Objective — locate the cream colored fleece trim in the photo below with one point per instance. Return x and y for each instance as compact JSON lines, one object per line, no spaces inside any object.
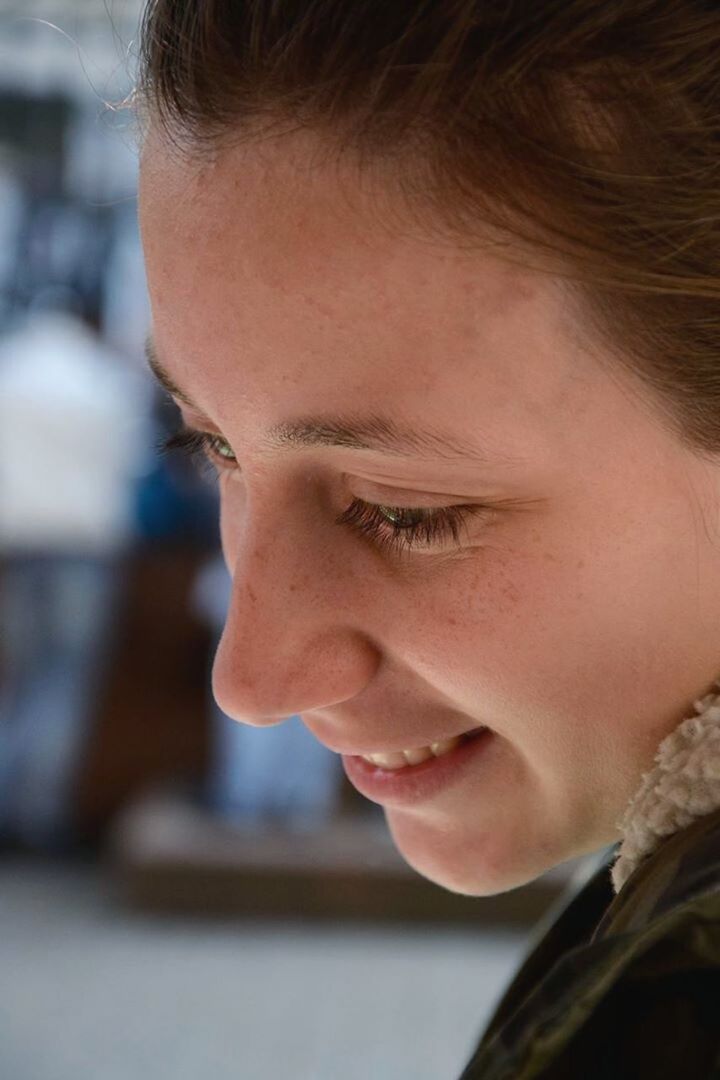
{"x":683,"y":786}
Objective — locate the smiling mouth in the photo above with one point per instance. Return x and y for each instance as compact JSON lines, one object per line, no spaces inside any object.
{"x":401,"y":759}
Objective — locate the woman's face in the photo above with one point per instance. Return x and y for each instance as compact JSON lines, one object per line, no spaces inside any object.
{"x":342,"y":365}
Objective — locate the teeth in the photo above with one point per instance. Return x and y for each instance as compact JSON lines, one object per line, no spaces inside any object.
{"x":415,"y":757}
{"x":400,"y":759}
{"x":395,"y":760}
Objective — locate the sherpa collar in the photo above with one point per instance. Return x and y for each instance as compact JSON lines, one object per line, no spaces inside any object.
{"x":683,"y":785}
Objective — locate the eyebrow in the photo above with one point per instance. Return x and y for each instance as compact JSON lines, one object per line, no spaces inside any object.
{"x":376,"y":433}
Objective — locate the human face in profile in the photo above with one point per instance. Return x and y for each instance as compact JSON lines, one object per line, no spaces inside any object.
{"x":443,"y":510}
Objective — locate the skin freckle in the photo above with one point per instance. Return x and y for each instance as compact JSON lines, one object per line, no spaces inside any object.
{"x":565,"y":629}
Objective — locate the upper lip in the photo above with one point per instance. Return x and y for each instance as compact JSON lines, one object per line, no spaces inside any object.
{"x":359,"y":751}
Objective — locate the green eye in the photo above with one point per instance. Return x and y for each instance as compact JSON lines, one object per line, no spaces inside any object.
{"x":399,"y":528}
{"x":219,"y":446}
{"x":391,"y":528}
{"x":202,"y":445}
{"x":404,"y":517}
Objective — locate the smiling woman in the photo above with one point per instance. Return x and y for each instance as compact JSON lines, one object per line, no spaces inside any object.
{"x":436,"y":287}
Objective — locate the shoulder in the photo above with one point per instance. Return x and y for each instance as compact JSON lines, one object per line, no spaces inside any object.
{"x":685,"y":869}
{"x":639,"y":995}
{"x":657,"y":986}
{"x":657,"y":1014}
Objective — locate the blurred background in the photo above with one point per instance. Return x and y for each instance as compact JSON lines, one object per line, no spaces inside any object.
{"x":178,"y":892}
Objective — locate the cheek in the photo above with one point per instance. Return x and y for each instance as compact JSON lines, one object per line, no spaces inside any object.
{"x":226,"y":543}
{"x":476,"y":616}
{"x":232,"y":510}
{"x":506,"y":639}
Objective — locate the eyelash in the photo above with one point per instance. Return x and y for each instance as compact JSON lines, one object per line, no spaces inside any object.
{"x":199,"y":445}
{"x":364,"y":518}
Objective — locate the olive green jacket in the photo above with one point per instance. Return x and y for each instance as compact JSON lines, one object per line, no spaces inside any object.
{"x":620,"y":987}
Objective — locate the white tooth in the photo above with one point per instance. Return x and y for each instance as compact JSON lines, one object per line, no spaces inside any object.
{"x":416,"y":757}
{"x":399,"y":759}
{"x":388,"y":761}
{"x":440,"y":748}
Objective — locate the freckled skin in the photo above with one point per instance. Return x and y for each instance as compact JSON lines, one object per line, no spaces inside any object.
{"x":580,"y":623}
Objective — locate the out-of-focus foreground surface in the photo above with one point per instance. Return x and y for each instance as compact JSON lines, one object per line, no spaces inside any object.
{"x":91,"y":991}
{"x":180,"y":895}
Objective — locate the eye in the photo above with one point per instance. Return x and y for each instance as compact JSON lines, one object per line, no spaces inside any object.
{"x":203,"y":444}
{"x":398,"y":528}
{"x":392,"y":528}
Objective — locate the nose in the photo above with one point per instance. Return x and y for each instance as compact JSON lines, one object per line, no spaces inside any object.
{"x":288,"y":645}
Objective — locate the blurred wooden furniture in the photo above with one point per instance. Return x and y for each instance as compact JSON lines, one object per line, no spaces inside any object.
{"x":151,"y":719}
{"x":167,"y":854}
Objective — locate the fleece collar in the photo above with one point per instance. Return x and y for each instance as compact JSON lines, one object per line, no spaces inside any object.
{"x":683,"y":785}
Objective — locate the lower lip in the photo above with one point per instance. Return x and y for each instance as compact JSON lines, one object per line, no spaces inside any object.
{"x":415,"y":783}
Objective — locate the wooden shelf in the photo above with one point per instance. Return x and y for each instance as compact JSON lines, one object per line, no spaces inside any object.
{"x":168,"y":854}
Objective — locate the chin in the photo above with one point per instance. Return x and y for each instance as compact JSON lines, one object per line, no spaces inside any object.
{"x":475,"y":865}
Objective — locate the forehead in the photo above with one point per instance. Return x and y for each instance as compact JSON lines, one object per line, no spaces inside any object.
{"x":301,"y":217}
{"x":294,"y":271}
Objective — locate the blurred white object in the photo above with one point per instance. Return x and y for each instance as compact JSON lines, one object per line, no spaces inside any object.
{"x":126,"y":308}
{"x":74,"y":431}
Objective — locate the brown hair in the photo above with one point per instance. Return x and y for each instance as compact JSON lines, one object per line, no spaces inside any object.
{"x":586,"y":131}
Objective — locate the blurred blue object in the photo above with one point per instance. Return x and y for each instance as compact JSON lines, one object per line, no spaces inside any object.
{"x":73,"y":428}
{"x":280,"y":772}
{"x":173,"y":500}
{"x":56,"y":612}
{"x":258,"y":773}
{"x":165,"y":511}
